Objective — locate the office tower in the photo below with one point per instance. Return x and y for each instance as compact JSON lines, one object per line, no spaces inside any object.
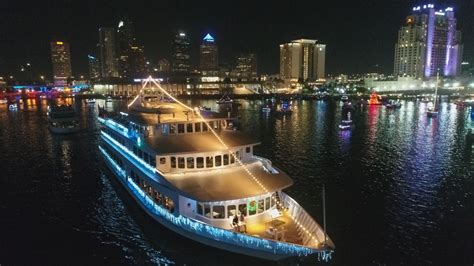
{"x":124,"y":43}
{"x":61,"y":61}
{"x":302,"y":59}
{"x":181,"y":53}
{"x":428,"y":42}
{"x":94,"y":68}
{"x":209,"y":58}
{"x":136,"y":62}
{"x":107,"y":53}
{"x":164,"y":66}
{"x":246,"y":67}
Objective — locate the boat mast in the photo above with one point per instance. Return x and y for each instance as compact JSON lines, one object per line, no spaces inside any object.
{"x":324,"y":215}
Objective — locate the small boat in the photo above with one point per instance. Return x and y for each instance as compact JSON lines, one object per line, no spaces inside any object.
{"x":347,"y":106}
{"x":347,"y":123}
{"x":344,"y":98}
{"x":13,"y":107}
{"x":90,"y":100}
{"x":225,"y":100}
{"x":375,"y":99}
{"x":62,"y":119}
{"x":109,"y":99}
{"x":285,"y":109}
{"x":391,"y":104}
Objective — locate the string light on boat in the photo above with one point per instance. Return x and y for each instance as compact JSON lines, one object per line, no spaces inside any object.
{"x":304,"y":229}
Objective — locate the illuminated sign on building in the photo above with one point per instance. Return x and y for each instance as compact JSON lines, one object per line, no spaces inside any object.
{"x":208,"y":38}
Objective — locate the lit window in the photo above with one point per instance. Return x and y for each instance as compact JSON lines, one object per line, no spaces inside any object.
{"x":190,"y":162}
{"x":209,"y":161}
{"x":226,"y":159}
{"x":189,"y":128}
{"x":163,"y":160}
{"x":218,"y":212}
{"x":173,"y":162}
{"x":231,"y":211}
{"x":180,"y":162}
{"x":197,"y":127}
{"x":180,"y":128}
{"x":218,"y":160}
{"x":200,"y":162}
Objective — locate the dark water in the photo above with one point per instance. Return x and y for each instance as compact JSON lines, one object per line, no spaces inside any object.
{"x":399,"y":189}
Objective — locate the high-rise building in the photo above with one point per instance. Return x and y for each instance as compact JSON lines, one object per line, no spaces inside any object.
{"x":209,"y":56}
{"x":164,"y":66}
{"x":107,"y":53}
{"x":302,"y":59}
{"x":181,"y":53}
{"x":61,"y":61}
{"x":124,"y":43}
{"x":136,"y":61}
{"x":94,"y":68}
{"x":428,"y":42}
{"x":246,"y":67}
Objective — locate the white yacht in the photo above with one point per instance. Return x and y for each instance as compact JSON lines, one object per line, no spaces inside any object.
{"x":62,"y":119}
{"x":195,"y":174}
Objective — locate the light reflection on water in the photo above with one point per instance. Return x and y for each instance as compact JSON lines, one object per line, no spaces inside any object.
{"x":398,"y":186}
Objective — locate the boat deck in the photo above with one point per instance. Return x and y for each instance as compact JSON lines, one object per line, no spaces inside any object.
{"x":285,"y":226}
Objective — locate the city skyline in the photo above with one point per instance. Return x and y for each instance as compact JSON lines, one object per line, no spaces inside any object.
{"x":371,"y":39}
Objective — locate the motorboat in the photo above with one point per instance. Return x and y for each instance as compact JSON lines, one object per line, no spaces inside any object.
{"x":346,"y":124}
{"x":62,"y":119}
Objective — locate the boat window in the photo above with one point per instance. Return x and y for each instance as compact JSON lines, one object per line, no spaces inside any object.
{"x":200,"y":162}
{"x":180,"y":128}
{"x":207,"y":210}
{"x":231,"y":211}
{"x":163,"y":160}
{"x":180,"y":162}
{"x":218,"y":160}
{"x":267,"y":203}
{"x":211,"y":124}
{"x":190,"y":162}
{"x":189,"y":128}
{"x":172,"y":128}
{"x":165,"y":129}
{"x":273,"y":199}
{"x":232,"y":158}
{"x":218,"y":212}
{"x":158,"y":197}
{"x":247,"y":149}
{"x":226,"y":159}
{"x":261,"y":206}
{"x":223,"y":124}
{"x":153,"y":161}
{"x":197,"y":127}
{"x":243,"y":209}
{"x":209,"y":161}
{"x":173,"y":162}
{"x":237,"y":154}
{"x":199,"y":207}
{"x":204,"y":127}
{"x":169,"y":204}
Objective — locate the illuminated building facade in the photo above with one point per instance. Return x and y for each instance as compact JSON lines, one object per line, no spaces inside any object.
{"x":181,"y":53}
{"x":94,"y":67}
{"x":124,"y":42}
{"x":302,"y":59}
{"x":209,"y":56}
{"x":246,"y":68}
{"x":427,"y":42}
{"x":164,"y":66}
{"x":107,"y":53}
{"x":61,"y":61}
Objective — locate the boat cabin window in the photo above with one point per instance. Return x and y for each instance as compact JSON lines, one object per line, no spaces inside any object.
{"x":247,"y":149}
{"x":267,"y":203}
{"x":243,"y":209}
{"x":181,"y":162}
{"x":172,"y":128}
{"x":209,"y":161}
{"x":237,"y":154}
{"x":207,"y":210}
{"x":218,"y":160}
{"x":232,"y":158}
{"x":165,"y":129}
{"x":163,"y":160}
{"x":190,"y":162}
{"x":200,"y":162}
{"x":173,"y":162}
{"x":199,"y":209}
{"x":211,"y":124}
{"x":261,"y":206}
{"x":204,"y":127}
{"x":226,"y":159}
{"x":189,"y":128}
{"x":231,"y":211}
{"x":180,"y":128}
{"x":197,"y":127}
{"x":218,"y":212}
{"x":158,"y":197}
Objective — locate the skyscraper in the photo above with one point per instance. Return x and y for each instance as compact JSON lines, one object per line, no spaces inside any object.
{"x":107,"y":53}
{"x":302,"y":59}
{"x":427,"y":42}
{"x":246,"y":67}
{"x":94,"y":68}
{"x":136,"y":62}
{"x":61,"y":61}
{"x":181,"y":53}
{"x":124,"y":43}
{"x":209,"y":57}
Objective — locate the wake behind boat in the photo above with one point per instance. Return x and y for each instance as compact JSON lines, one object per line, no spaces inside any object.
{"x":195,"y":174}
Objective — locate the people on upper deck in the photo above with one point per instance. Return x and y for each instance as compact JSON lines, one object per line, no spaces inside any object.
{"x":242,"y":224}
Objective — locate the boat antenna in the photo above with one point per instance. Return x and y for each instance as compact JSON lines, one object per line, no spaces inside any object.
{"x":324,"y":215}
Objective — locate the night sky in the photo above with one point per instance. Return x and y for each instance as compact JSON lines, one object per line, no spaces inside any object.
{"x":360,"y":35}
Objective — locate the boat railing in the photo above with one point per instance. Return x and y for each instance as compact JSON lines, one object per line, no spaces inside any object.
{"x":267,"y":165}
{"x":306,"y":225}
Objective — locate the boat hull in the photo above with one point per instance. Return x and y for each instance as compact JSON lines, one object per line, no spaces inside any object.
{"x":144,"y":203}
{"x":63,"y":130}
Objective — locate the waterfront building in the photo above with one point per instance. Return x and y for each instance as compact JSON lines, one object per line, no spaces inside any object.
{"x":209,"y":56}
{"x":246,"y":67}
{"x":303,"y":60}
{"x":94,"y":67}
{"x":107,"y":53}
{"x":61,"y":61}
{"x":181,"y":53}
{"x":428,"y":41}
